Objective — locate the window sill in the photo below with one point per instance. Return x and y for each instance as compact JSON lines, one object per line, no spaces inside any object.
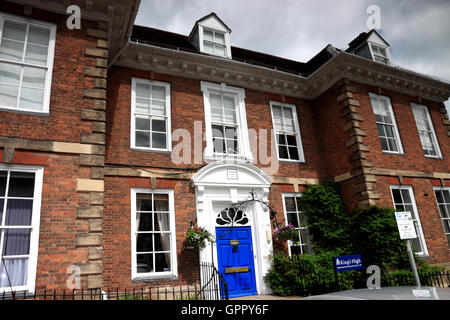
{"x":167,"y":151}
{"x":434,"y":157}
{"x":153,"y":278}
{"x":291,"y":161}
{"x":394,"y":153}
{"x":30,"y":112}
{"x":217,"y":157}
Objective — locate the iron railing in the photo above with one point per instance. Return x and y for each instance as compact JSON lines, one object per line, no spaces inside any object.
{"x":213,"y":285}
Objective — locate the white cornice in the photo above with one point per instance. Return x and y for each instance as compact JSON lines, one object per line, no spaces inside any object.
{"x":342,"y":65}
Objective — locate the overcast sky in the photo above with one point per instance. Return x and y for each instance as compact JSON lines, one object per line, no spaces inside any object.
{"x":417,"y":30}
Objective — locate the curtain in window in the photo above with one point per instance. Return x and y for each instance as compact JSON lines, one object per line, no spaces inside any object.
{"x":16,"y":242}
{"x":163,"y":222}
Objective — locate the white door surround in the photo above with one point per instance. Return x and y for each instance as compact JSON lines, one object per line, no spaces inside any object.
{"x":218,"y":185}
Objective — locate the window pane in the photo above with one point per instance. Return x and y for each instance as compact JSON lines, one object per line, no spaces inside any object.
{"x":162,"y":222}
{"x":159,"y":125}
{"x":31,"y":98}
{"x":144,"y":242}
{"x":215,"y":100}
{"x":143,"y":90}
{"x":142,"y":139}
{"x":14,"y":30}
{"x":219,"y":49}
{"x":21,"y":184}
{"x":290,"y":203}
{"x":18,"y":212}
{"x":289,"y":125}
{"x":392,"y":145}
{"x":11,"y":50}
{"x":144,"y":263}
{"x":158,"y":140}
{"x":397,"y":196}
{"x":143,"y":123}
{"x":277,"y":111}
{"x":208,"y":47}
{"x":288,"y":113}
{"x":16,"y":242}
{"x":439,"y":196}
{"x":10,"y":74}
{"x":208,"y":35}
{"x":278,"y":123}
{"x":16,"y":274}
{"x":292,"y":218}
{"x":144,"y":221}
{"x":230,"y":133}
{"x":283,"y":153}
{"x":217,"y":115}
{"x":406,"y":197}
{"x":446,"y":194}
{"x":384,"y":144}
{"x":158,"y":92}
{"x":295,"y":250}
{"x":291,"y":140}
{"x":36,"y":55}
{"x":142,"y":105}
{"x":3,"y":178}
{"x":33,"y":77}
{"x":219,"y":145}
{"x":281,"y":139}
{"x":162,"y":242}
{"x":161,"y":202}
{"x":293,"y":153}
{"x":144,"y":202}
{"x":162,"y":262}
{"x":37,"y":35}
{"x":8,"y":96}
{"x":219,"y":38}
{"x":158,"y":108}
{"x":217,"y":131}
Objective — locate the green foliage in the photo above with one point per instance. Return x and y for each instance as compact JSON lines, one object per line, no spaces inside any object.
{"x":327,"y":218}
{"x":374,"y":234}
{"x":371,"y":232}
{"x":307,"y":274}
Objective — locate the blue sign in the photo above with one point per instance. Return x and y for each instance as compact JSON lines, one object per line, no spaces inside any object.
{"x":345,"y":263}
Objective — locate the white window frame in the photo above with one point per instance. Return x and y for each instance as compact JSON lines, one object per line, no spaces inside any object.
{"x":35,"y":224}
{"x":394,"y":122}
{"x":432,"y":131}
{"x":244,"y":151}
{"x":301,"y":155}
{"x":50,"y":59}
{"x":447,"y":210}
{"x":388,"y":54}
{"x":420,"y":234}
{"x":290,"y":244}
{"x":201,"y":29}
{"x":168,"y":116}
{"x":170,"y":275}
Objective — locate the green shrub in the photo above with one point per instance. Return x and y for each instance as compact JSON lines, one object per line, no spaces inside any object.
{"x":327,"y":219}
{"x":374,"y":234}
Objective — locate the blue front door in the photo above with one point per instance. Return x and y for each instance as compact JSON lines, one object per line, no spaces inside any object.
{"x":235,"y":260}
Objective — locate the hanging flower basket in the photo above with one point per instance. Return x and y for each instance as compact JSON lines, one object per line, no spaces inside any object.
{"x":196,"y":237}
{"x":286,"y":233}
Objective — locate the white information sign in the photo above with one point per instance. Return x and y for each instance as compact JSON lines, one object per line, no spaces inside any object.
{"x":405,"y":225}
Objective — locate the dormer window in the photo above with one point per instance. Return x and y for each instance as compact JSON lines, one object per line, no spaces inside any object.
{"x":211,"y":35}
{"x":379,"y":54}
{"x":214,"y":42}
{"x":372,"y":46}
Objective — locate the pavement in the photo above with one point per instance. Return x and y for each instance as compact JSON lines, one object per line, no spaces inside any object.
{"x":266,"y":297}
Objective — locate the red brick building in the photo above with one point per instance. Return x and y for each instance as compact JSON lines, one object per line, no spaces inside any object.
{"x":116,"y":138}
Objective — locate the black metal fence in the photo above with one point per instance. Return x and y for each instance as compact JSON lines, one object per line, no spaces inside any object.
{"x":214,"y":286}
{"x":211,"y":287}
